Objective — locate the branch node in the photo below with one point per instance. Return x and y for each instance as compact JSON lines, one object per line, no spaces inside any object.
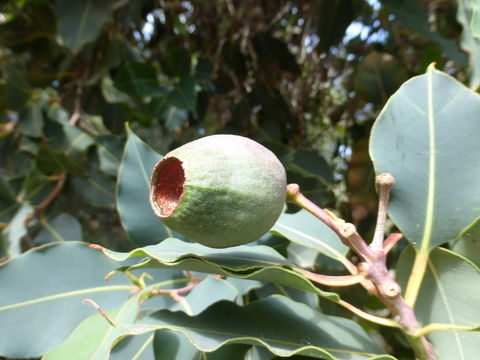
{"x":293,"y":190}
{"x":390,"y":289}
{"x":364,"y":268}
{"x":348,"y":230}
{"x":385,"y":179}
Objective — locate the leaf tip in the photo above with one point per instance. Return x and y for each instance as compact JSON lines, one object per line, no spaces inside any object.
{"x":431,"y":67}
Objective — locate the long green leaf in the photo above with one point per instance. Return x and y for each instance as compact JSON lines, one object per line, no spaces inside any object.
{"x":283,"y":326}
{"x":435,"y":196}
{"x":245,"y":262}
{"x":450,"y":296}
{"x":95,"y":336}
{"x":42,"y":292}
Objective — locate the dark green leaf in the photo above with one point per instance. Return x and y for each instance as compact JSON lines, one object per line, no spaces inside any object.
{"x":137,"y":79}
{"x":31,"y":120}
{"x":333,"y":18}
{"x":177,"y":62}
{"x":413,"y":14}
{"x":80,"y":22}
{"x":272,"y":51}
{"x":17,"y":90}
{"x":378,"y":76}
{"x":109,"y":151}
{"x":114,"y":118}
{"x":108,"y":58}
{"x":204,"y":69}
{"x":36,"y":186}
{"x":311,"y":164}
{"x":76,"y":140}
{"x":183,"y":95}
{"x":52,"y":161}
{"x":96,"y":188}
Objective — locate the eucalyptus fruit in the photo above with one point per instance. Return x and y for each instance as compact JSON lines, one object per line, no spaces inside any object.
{"x":219,"y":191}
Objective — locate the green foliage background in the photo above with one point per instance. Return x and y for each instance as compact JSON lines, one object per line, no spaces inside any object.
{"x":305,"y":78}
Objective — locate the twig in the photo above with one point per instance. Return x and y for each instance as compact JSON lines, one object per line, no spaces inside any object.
{"x":364,"y":315}
{"x":442,"y":327}
{"x":296,"y":197}
{"x":174,"y":292}
{"x":374,"y":264}
{"x":77,"y":106}
{"x":334,"y":281}
{"x":101,"y":311}
{"x":384,"y":182}
{"x":49,"y":199}
{"x":391,"y":241}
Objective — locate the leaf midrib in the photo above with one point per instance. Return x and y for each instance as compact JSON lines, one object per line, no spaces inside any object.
{"x":427,"y":232}
{"x":68,"y":294}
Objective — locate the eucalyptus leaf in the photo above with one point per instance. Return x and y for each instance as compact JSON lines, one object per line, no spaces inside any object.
{"x":17,"y":89}
{"x":109,"y":151}
{"x":94,"y":336}
{"x":96,"y":188}
{"x":304,"y":229}
{"x":133,"y":187}
{"x":172,"y":345}
{"x":449,"y":295}
{"x":183,"y":95}
{"x":54,"y":279}
{"x":63,"y":227}
{"x":469,"y":244}
{"x":31,"y":120}
{"x":245,"y":262}
{"x":80,"y":22}
{"x":267,"y":323}
{"x":413,"y":15}
{"x":137,"y":79}
{"x":17,"y":229}
{"x":76,"y":140}
{"x":468,"y":16}
{"x":434,"y":197}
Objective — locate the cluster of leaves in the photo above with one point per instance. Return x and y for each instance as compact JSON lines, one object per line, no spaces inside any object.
{"x":287,"y":74}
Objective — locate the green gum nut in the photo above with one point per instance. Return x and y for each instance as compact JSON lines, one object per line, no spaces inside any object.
{"x":219,"y":191}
